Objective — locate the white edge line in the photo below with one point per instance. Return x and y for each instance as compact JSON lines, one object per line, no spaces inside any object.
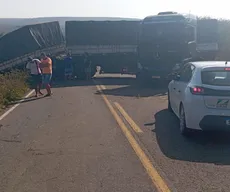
{"x":15,"y":106}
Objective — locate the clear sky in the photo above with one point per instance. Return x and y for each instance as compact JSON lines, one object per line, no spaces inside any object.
{"x":110,"y":8}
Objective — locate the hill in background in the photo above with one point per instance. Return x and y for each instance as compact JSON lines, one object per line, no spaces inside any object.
{"x":10,"y":24}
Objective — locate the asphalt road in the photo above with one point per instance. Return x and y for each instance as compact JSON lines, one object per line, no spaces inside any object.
{"x":109,"y":134}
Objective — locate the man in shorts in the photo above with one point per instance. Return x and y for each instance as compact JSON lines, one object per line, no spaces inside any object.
{"x":46,"y":66}
{"x":34,"y":66}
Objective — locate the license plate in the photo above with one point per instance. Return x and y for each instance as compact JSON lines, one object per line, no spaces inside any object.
{"x":222,"y":103}
{"x":228,"y":122}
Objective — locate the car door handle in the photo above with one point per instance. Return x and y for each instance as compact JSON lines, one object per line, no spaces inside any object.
{"x":174,"y":88}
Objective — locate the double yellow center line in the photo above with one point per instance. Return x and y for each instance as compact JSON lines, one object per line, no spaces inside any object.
{"x":135,"y":127}
{"x":152,"y":172}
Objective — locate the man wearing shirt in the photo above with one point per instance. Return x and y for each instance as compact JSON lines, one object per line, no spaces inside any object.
{"x":46,"y":65}
{"x":34,"y":66}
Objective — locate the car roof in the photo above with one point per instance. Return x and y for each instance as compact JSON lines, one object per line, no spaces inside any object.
{"x":206,"y":64}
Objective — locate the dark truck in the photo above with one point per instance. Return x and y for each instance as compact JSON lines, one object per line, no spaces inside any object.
{"x":30,"y":40}
{"x":163,"y":42}
{"x":168,"y":38}
{"x":110,"y":45}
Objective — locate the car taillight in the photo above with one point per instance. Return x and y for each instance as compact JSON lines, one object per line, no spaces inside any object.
{"x":227,"y":69}
{"x":197,"y":90}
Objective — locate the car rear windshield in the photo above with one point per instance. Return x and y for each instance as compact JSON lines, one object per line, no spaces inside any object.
{"x":216,"y":77}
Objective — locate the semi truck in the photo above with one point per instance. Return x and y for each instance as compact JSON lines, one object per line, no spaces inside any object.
{"x":109,"y":44}
{"x":165,"y":39}
{"x":30,"y":40}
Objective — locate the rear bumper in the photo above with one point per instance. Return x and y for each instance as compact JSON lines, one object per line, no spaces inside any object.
{"x":199,"y":117}
{"x":212,"y":122}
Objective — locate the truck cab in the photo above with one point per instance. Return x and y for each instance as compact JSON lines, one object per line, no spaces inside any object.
{"x":163,"y":41}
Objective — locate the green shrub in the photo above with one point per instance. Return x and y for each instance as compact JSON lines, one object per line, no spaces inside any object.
{"x":13,"y":85}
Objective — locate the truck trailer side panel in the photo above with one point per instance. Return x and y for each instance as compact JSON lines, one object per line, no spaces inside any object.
{"x":101,"y":33}
{"x":111,"y":44}
{"x":30,"y":39}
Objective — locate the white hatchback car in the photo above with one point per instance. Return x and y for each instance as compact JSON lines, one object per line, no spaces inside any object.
{"x":200,"y":96}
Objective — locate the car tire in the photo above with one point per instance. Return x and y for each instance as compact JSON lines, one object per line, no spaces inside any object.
{"x":183,"y":128}
{"x":169,"y":103}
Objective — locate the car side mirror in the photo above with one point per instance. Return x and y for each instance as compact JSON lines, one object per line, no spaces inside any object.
{"x":176,"y":78}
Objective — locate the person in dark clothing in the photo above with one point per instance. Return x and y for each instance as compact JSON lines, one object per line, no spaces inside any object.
{"x":36,"y":74}
{"x":86,"y":57}
{"x":87,"y":66}
{"x":68,"y":67}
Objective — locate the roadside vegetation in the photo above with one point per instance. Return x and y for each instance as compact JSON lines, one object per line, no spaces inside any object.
{"x":13,"y":85}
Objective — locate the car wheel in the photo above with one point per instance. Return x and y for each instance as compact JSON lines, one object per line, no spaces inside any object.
{"x":183,"y":128}
{"x":169,"y":103}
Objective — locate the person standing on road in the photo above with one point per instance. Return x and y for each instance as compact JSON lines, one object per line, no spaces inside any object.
{"x":34,"y":66}
{"x":87,"y":66}
{"x":68,"y":67}
{"x":46,"y":65}
{"x":88,"y":71}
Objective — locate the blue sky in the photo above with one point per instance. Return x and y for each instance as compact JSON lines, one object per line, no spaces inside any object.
{"x":113,"y":8}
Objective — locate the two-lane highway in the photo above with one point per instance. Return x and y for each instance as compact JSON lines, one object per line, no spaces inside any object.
{"x":200,"y":163}
{"x":109,"y":134}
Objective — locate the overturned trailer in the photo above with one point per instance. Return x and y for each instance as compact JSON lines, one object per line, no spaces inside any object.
{"x":30,"y":40}
{"x":110,"y":44}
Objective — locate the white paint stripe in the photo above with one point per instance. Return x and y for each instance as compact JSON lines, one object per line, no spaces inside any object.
{"x":15,"y":106}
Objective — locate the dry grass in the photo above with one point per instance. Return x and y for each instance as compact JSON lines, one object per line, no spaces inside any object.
{"x":13,"y":86}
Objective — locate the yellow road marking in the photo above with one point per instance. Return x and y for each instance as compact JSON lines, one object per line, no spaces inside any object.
{"x":152,"y":172}
{"x":135,"y":127}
